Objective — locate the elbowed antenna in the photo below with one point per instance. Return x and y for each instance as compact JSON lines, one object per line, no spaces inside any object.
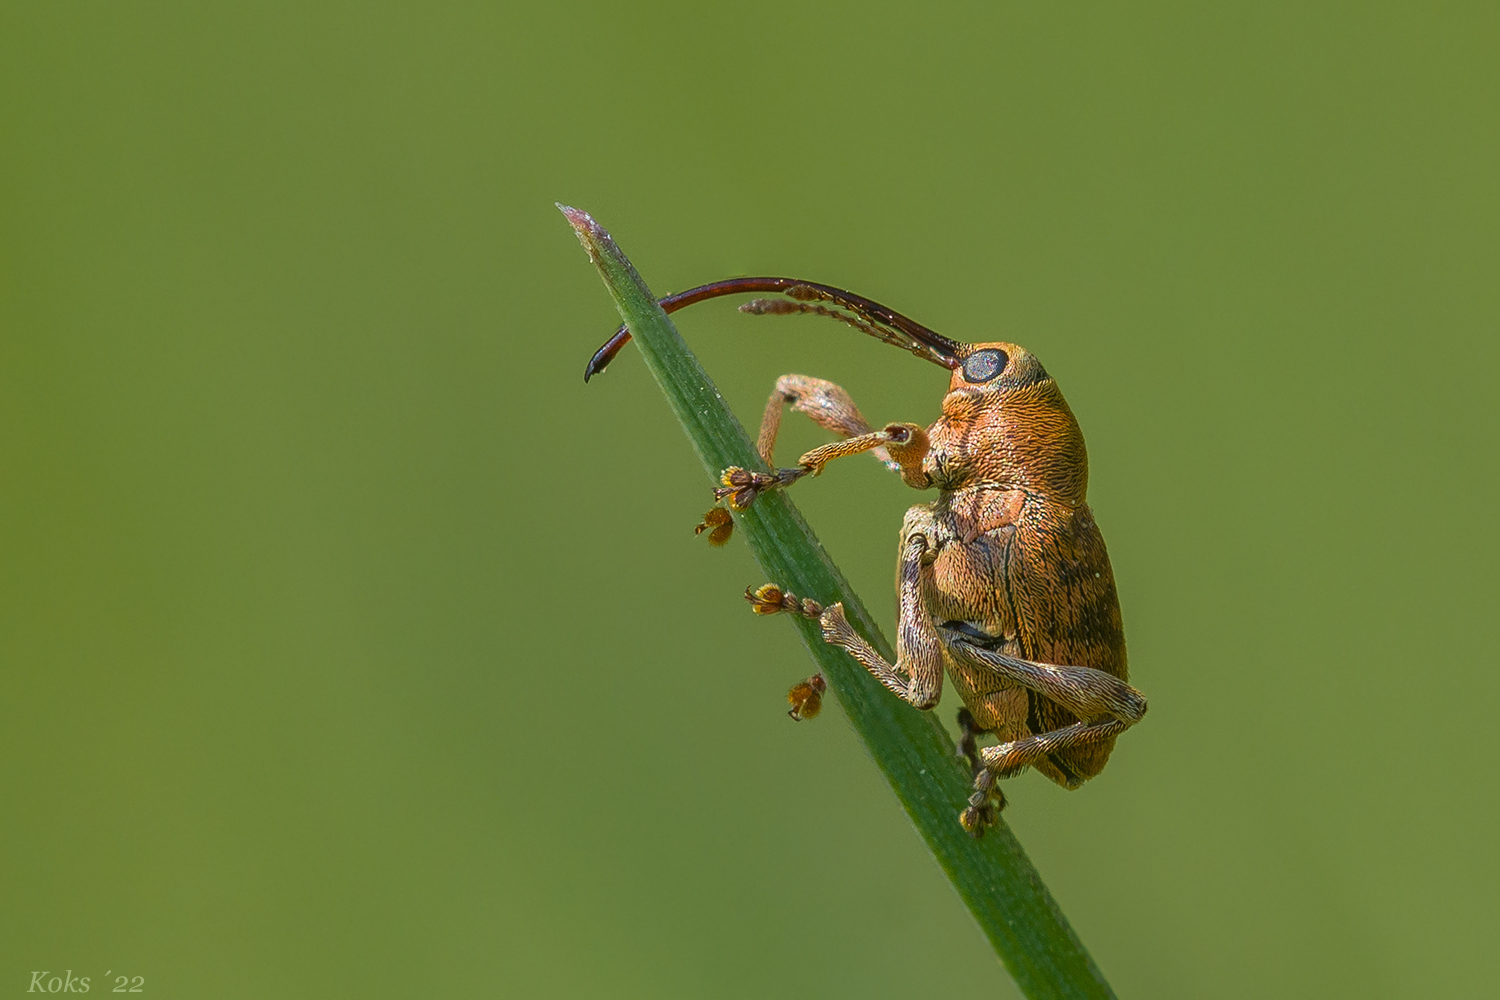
{"x":859,"y":312}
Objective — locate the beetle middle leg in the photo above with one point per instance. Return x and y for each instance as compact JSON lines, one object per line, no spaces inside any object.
{"x":917,"y":675}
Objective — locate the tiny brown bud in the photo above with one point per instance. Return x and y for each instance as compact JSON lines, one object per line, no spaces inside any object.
{"x":769,"y":599}
{"x":719,"y":525}
{"x":806,"y":698}
{"x":735,"y":476}
{"x":740,"y":487}
{"x":765,"y":600}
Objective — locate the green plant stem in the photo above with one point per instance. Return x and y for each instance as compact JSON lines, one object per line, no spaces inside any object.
{"x":993,"y":876}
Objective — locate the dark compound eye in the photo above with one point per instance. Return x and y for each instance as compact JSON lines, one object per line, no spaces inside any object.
{"x":981,"y":366}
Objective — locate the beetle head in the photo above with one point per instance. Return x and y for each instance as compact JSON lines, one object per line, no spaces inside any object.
{"x":1006,"y":425}
{"x":995,"y":369}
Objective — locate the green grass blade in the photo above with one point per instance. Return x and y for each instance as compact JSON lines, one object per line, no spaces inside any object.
{"x":993,"y":876}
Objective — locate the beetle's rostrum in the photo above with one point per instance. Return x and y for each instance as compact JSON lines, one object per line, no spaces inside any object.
{"x":1004,"y":583}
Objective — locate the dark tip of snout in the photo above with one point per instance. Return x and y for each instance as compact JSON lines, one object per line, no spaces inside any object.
{"x":605,"y":354}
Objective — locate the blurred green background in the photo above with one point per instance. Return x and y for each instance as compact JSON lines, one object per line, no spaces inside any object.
{"x":352,"y":647}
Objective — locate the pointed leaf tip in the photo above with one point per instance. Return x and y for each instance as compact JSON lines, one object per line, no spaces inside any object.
{"x":593,"y":236}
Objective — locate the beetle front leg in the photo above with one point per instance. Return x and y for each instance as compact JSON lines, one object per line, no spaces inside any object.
{"x":826,"y":403}
{"x":900,"y":446}
{"x":905,"y":443}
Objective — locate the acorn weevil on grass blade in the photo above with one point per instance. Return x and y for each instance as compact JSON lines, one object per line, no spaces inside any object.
{"x":1004,"y":581}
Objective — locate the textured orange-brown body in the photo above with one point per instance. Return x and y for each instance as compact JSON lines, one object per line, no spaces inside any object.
{"x":1019,"y":557}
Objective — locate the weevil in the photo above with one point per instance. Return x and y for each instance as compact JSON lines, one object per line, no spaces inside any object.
{"x":1004,"y":583}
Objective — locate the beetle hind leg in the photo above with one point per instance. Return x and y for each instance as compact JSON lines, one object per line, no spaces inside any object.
{"x":1105,"y":704}
{"x":1001,"y":714}
{"x":1008,"y":758}
{"x":983,"y":810}
{"x":968,"y":740}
